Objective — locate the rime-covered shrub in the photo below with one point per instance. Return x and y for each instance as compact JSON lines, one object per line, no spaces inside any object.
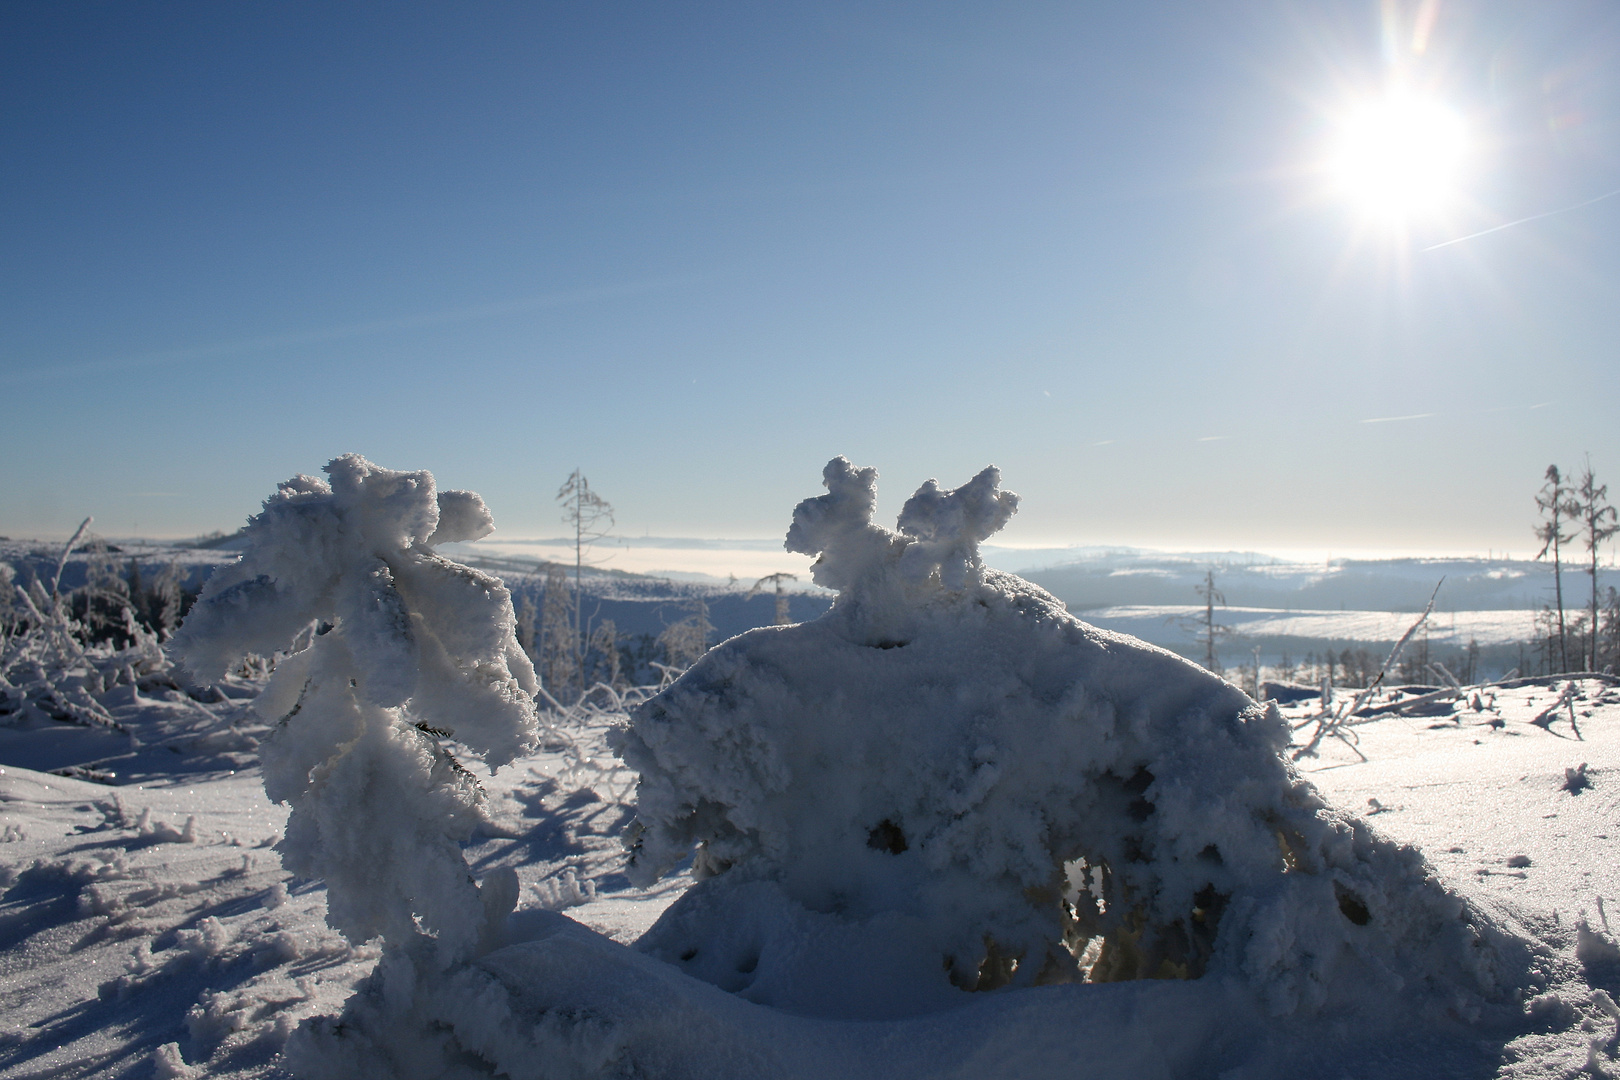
{"x":402,"y":647}
{"x":949,"y":783}
{"x":61,"y":649}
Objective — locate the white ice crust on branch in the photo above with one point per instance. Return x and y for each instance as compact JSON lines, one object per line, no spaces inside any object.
{"x":414,"y":647}
{"x":883,"y":576}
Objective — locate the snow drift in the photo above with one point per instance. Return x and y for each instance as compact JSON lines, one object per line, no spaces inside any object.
{"x":946,"y":785}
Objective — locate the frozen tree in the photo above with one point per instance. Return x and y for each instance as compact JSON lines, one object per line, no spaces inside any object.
{"x":528,"y":627}
{"x":949,"y":783}
{"x":604,"y":648}
{"x":1207,"y":631}
{"x":1598,"y":524}
{"x":1211,"y":631}
{"x":782,"y":617}
{"x":1609,"y":629}
{"x":1557,"y":506}
{"x":409,"y":649}
{"x":558,"y":658}
{"x":686,"y":640}
{"x":591,"y":518}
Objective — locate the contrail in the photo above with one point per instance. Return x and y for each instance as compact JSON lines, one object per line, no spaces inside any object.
{"x":322,"y":335}
{"x":1521,"y":221}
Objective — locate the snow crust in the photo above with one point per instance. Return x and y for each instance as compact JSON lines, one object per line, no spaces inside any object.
{"x":391,"y":648}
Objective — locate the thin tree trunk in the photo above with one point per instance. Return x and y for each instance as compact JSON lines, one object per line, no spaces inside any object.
{"x":1558,"y":592}
{"x":579,"y":564}
{"x":1592,"y":627}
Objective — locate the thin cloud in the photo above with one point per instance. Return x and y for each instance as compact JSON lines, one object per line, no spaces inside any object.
{"x":1213,"y":438}
{"x":221,"y":350}
{"x":1395,"y":419}
{"x":1523,"y":220}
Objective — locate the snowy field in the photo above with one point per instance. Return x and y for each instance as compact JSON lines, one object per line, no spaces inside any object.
{"x":1155,"y":622}
{"x":149,"y":930}
{"x":944,"y":830}
{"x":146,"y":922}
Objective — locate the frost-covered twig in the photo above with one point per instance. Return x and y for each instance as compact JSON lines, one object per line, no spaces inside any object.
{"x":1544,"y":719}
{"x":50,"y":666}
{"x":1406,"y":705}
{"x":580,"y":730}
{"x":1334,"y":723}
{"x":1445,"y":673}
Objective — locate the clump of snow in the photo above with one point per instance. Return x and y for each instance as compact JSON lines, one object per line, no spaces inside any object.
{"x":1576,"y":780}
{"x":403,"y":647}
{"x":167,"y":1064}
{"x":948,"y":783}
{"x":565,"y":890}
{"x":1595,"y":949}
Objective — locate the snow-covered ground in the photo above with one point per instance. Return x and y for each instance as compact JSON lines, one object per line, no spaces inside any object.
{"x":148,"y":924}
{"x":1162,"y":622}
{"x":1120,"y":859}
{"x":149,"y":930}
{"x":697,"y":559}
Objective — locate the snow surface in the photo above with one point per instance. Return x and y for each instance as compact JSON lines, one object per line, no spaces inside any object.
{"x":1453,"y":629}
{"x":150,"y":931}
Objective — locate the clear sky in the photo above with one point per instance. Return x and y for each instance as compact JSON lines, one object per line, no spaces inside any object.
{"x":1120,"y":250}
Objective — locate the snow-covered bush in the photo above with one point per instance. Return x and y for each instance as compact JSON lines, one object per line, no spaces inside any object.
{"x":57,"y":656}
{"x":949,"y":783}
{"x":405,"y":647}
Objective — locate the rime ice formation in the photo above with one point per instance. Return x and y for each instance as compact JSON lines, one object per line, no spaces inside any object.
{"x":950,"y":783}
{"x":417,"y":647}
{"x":946,"y":784}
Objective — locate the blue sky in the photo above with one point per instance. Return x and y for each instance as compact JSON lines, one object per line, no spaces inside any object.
{"x":698,"y":249}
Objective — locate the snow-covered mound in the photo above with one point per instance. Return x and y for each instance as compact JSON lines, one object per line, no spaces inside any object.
{"x":949,"y":783}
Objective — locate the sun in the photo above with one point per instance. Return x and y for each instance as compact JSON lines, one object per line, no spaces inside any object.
{"x":1399,"y":157}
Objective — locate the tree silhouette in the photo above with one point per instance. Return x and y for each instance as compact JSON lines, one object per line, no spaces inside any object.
{"x":592,"y":519}
{"x":782,"y":616}
{"x":1210,"y":631}
{"x":1557,"y":506}
{"x":1598,"y":523}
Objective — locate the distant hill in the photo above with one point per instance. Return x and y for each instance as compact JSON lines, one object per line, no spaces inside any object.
{"x":1120,"y":578}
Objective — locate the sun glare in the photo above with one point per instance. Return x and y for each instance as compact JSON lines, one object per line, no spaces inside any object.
{"x":1399,"y":157}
